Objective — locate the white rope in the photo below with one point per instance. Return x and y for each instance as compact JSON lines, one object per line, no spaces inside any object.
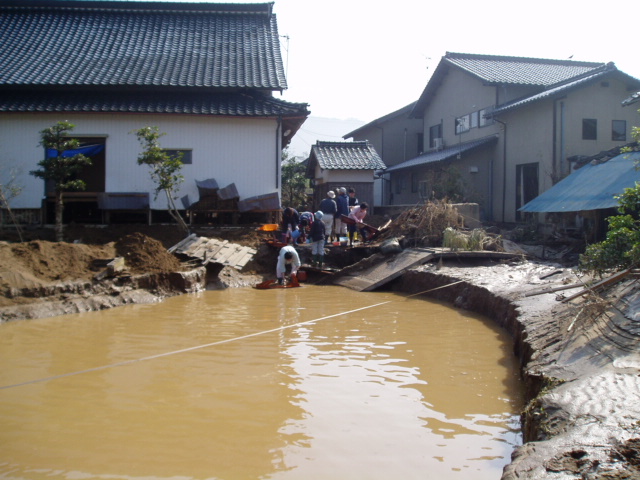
{"x":190,"y":349}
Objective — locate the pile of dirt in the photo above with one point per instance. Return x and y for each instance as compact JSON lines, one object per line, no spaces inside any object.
{"x":144,"y":254}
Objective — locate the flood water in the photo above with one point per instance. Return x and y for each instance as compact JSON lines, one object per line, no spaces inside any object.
{"x":309,"y":383}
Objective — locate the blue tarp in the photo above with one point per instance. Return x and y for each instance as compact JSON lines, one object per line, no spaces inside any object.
{"x":88,"y":151}
{"x":592,"y":187}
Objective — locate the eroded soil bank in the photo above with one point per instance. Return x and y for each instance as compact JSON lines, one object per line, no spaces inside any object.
{"x":580,"y":361}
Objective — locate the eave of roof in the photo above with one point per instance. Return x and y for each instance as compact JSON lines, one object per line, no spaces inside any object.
{"x":404,"y":111}
{"x":249,"y":104}
{"x":592,"y":187}
{"x":124,"y":43}
{"x":444,"y":154}
{"x":346,"y":156}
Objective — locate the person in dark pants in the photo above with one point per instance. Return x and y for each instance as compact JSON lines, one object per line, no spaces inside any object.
{"x":289,"y":225}
{"x":316,"y":234}
{"x":329,"y":209}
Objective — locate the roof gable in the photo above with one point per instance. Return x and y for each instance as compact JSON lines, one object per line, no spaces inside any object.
{"x":345,"y":156}
{"x":126,"y":43}
{"x":501,"y":70}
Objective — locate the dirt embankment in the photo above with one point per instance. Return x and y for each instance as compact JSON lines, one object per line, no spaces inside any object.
{"x":580,"y":361}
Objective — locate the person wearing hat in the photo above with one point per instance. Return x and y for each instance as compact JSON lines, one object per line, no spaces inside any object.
{"x":329,"y":209}
{"x":288,"y":257}
{"x":342,"y":202}
{"x":317,"y":236}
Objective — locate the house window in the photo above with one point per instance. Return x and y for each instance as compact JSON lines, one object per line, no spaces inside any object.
{"x":474,"y":119}
{"x":414,"y":183}
{"x":186,"y":155}
{"x":420,"y":143}
{"x":435,"y":131}
{"x":589,"y":129}
{"x":484,"y":122}
{"x":619,"y":130}
{"x":462,"y":124}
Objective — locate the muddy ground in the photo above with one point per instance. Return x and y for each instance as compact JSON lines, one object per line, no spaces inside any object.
{"x":580,"y":358}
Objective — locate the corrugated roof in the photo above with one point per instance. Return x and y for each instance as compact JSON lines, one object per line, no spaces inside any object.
{"x":592,"y":187}
{"x":444,"y":154}
{"x":128,"y":43}
{"x":193,"y":103}
{"x":346,"y":156}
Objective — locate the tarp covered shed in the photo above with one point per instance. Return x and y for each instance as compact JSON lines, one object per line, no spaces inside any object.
{"x":592,"y":187}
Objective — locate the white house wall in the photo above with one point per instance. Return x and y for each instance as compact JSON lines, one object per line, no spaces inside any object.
{"x":231,"y":150}
{"x":343,"y":176}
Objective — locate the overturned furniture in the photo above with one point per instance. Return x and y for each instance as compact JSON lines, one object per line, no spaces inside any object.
{"x":214,"y":203}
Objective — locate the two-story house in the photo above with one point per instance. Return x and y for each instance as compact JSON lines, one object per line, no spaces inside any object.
{"x":500,"y":130}
{"x":205,"y":74}
{"x":397,"y":137}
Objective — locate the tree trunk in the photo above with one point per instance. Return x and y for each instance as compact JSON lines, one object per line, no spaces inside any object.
{"x":173,"y":211}
{"x":59,"y":209}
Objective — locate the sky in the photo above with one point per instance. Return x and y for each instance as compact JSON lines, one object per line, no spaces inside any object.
{"x":358,"y":60}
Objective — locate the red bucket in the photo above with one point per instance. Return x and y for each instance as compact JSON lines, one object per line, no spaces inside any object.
{"x":302,"y":276}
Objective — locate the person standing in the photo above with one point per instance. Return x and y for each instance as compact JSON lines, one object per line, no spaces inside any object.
{"x":342,"y":202}
{"x":329,"y":209}
{"x":358,"y":213}
{"x":353,"y":200}
{"x":317,"y":236}
{"x":288,"y":257}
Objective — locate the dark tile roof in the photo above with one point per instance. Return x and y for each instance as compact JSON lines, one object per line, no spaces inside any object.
{"x":193,"y":103}
{"x":444,"y":154}
{"x":564,"y":87}
{"x":125,"y":43}
{"x":346,"y":156}
{"x":500,"y":70}
{"x":494,"y":69}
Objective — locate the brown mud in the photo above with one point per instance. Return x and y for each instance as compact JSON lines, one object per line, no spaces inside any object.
{"x":580,"y":359}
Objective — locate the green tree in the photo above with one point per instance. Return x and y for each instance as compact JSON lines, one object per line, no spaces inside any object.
{"x":294,"y":181}
{"x":621,"y":247}
{"x":59,"y":168}
{"x":164,"y":169}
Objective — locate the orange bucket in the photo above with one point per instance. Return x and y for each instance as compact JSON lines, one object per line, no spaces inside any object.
{"x":269,"y":227}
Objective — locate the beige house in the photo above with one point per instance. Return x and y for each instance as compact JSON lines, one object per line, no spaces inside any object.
{"x":332,"y":165}
{"x":501,"y":130}
{"x":397,"y":138}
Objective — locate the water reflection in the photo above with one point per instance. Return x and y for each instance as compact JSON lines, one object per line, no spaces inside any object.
{"x":394,"y":391}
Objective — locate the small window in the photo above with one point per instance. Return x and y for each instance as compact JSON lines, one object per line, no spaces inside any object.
{"x":483,"y":122}
{"x":186,"y":155}
{"x":420,"y":143}
{"x":474,"y":119}
{"x":462,"y":124}
{"x":435,"y":131}
{"x":619,"y":130}
{"x":589,"y":129}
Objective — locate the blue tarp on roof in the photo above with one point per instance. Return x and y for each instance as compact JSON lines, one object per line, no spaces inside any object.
{"x":592,"y":187}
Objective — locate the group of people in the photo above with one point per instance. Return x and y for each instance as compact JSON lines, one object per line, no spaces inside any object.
{"x":321,"y":228}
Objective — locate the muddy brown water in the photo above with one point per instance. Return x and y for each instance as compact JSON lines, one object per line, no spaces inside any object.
{"x":307,"y":383}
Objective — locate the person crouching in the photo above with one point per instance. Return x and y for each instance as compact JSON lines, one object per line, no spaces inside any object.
{"x":288,"y":257}
{"x":317,"y":236}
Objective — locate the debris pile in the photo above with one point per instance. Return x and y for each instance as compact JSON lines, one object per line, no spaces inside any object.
{"x":423,"y":225}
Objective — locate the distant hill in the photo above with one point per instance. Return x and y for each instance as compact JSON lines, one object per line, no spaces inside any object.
{"x":320,"y":128}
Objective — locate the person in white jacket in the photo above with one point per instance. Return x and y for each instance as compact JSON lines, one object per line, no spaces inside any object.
{"x":287,"y":256}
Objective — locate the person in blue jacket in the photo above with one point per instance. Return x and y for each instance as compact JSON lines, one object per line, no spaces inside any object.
{"x":342,"y":202}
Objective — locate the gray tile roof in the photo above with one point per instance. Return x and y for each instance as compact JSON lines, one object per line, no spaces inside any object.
{"x":126,"y":43}
{"x":495,"y":69}
{"x":536,"y":73}
{"x":193,"y":103}
{"x":444,"y":154}
{"x":346,"y":156}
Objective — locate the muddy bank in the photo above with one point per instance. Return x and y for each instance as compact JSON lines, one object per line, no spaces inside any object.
{"x":580,"y":363}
